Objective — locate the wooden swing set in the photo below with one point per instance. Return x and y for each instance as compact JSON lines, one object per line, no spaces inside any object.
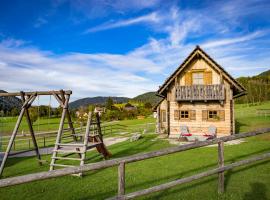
{"x":92,"y":138}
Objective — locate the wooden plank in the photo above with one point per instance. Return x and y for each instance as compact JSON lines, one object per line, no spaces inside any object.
{"x":66,"y":158}
{"x":32,"y":93}
{"x":121,"y":179}
{"x":221,"y":164}
{"x":109,"y":163}
{"x":71,"y":144}
{"x":66,"y":151}
{"x":61,"y":165}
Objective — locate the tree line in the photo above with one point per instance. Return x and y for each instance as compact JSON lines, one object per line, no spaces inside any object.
{"x":258,"y":89}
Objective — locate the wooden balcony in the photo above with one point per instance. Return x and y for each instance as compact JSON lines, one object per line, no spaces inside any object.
{"x":200,"y":93}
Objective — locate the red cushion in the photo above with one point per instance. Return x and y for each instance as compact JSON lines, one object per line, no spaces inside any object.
{"x":207,"y":135}
{"x":187,"y":134}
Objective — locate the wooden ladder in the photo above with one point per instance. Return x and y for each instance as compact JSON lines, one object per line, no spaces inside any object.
{"x":92,"y":139}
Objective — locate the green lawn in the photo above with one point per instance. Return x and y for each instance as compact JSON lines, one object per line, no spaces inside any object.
{"x":247,"y":119}
{"x":248,"y":182}
{"x":109,"y":129}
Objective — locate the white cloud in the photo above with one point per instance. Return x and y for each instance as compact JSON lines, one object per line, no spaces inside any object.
{"x":85,"y":74}
{"x":40,"y":21}
{"x":149,"y":18}
{"x":223,"y":42}
{"x":11,"y":42}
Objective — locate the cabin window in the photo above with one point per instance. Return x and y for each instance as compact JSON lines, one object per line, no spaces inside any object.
{"x":184,"y":114}
{"x":163,"y":116}
{"x":197,"y":78}
{"x":213,"y":114}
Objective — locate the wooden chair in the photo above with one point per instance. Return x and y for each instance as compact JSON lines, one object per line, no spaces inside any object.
{"x":212,"y":132}
{"x":184,"y":132}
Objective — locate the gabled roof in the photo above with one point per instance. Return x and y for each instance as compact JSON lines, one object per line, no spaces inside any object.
{"x":239,"y":90}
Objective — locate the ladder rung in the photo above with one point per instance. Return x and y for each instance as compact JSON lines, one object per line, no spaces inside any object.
{"x":92,"y":145}
{"x":67,"y":151}
{"x":71,"y":144}
{"x":65,"y":158}
{"x":61,"y":165}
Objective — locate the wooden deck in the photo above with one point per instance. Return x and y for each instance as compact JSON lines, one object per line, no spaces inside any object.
{"x":200,"y":92}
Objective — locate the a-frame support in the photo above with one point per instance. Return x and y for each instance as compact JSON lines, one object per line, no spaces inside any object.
{"x":27,"y":99}
{"x":27,"y":102}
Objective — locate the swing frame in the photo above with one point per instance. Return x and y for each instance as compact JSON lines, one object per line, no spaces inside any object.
{"x":62,"y":97}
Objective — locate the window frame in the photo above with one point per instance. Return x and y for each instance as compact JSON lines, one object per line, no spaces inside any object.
{"x":186,"y":114}
{"x":196,"y":78}
{"x":163,"y":116}
{"x":214,"y":115}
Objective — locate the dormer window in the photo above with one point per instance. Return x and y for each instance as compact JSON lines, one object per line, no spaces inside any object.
{"x":197,"y":78}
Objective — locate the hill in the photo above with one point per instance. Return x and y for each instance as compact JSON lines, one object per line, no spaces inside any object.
{"x":7,"y":103}
{"x":96,"y":101}
{"x":258,"y":88}
{"x":265,"y":74}
{"x":147,"y":97}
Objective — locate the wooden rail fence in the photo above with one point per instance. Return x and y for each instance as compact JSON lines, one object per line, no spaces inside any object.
{"x":121,"y":163}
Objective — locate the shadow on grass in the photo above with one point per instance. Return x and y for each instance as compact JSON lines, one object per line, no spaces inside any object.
{"x":258,"y":191}
{"x":238,"y":126}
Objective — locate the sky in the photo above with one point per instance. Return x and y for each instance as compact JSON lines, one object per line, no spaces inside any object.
{"x":125,"y":48}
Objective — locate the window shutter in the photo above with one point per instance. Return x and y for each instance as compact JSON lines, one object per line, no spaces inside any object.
{"x":204,"y":115}
{"x":207,"y":77}
{"x":176,"y":115}
{"x":188,"y":78}
{"x":192,"y":114}
{"x":221,"y":115}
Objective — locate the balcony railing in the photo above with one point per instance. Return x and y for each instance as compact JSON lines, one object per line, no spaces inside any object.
{"x":200,"y":92}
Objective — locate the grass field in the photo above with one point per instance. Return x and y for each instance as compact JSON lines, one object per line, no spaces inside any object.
{"x":110,"y":129}
{"x":248,"y":182}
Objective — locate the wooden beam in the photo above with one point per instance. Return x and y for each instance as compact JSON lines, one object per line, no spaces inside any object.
{"x":221,"y":164}
{"x":121,"y":179}
{"x":27,"y":115}
{"x":11,"y":140}
{"x":41,"y":93}
{"x":70,"y":124}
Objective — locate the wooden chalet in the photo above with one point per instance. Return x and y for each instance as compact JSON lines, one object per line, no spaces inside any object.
{"x":199,"y":94}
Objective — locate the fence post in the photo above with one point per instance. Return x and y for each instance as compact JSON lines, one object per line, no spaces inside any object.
{"x":44,"y":141}
{"x":221,"y":164}
{"x":111,"y":129}
{"x":28,"y":143}
{"x":121,"y":179}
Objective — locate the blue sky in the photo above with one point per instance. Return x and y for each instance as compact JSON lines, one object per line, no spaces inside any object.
{"x":125,"y":48}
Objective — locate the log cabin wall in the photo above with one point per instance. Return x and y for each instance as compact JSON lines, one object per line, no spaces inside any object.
{"x":197,"y":122}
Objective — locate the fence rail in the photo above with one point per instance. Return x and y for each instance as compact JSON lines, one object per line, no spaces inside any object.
{"x":121,"y":163}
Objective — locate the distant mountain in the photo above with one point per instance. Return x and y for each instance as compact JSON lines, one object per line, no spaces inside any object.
{"x":7,"y":103}
{"x":147,"y":97}
{"x":96,"y":101}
